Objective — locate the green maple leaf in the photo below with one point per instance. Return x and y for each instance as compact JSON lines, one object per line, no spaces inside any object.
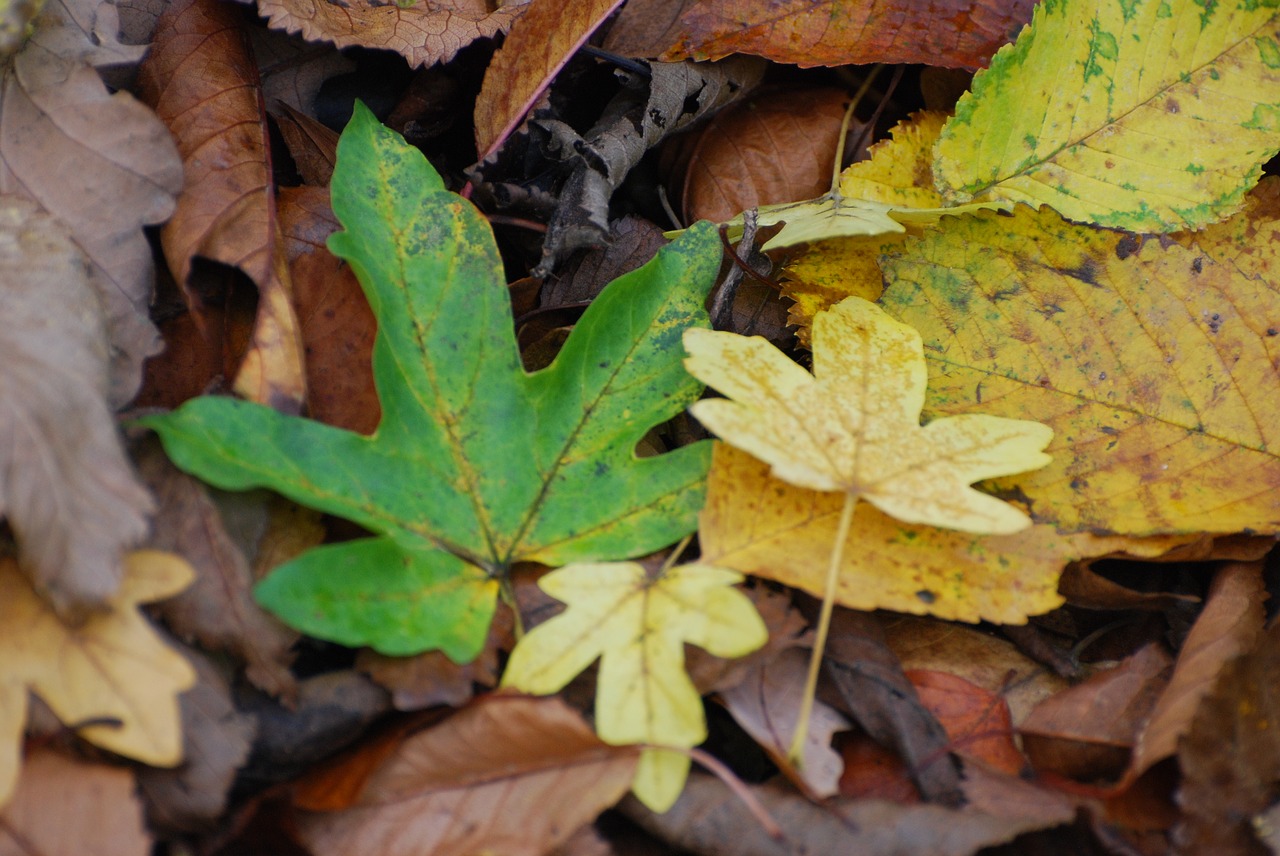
{"x":476,"y":464}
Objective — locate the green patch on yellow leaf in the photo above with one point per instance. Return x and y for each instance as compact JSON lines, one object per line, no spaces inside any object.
{"x":1143,"y":115}
{"x":113,"y":668}
{"x":1156,"y":365}
{"x":637,"y":626}
{"x":853,"y":426}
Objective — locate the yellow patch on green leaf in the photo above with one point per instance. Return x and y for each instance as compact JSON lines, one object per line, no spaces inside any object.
{"x":1147,"y":115}
{"x":637,"y":626}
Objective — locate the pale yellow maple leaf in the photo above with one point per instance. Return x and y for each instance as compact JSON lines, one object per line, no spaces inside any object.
{"x":112,"y":670}
{"x":853,"y":427}
{"x":637,"y":626}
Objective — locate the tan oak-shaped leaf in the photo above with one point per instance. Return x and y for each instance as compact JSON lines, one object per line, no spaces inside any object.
{"x":540,"y":42}
{"x":508,"y":774}
{"x":1155,"y":364}
{"x":952,"y":33}
{"x":112,"y":667}
{"x":98,"y":161}
{"x":423,"y":33}
{"x":637,"y":626}
{"x":853,"y":426}
{"x":201,"y":80}
{"x":62,"y":805}
{"x":218,"y":610}
{"x":66,"y":486}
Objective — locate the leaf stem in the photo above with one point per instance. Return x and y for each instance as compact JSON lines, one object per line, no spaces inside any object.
{"x":796,"y":753}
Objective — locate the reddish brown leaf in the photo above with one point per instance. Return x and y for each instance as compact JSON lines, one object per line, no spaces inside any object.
{"x":422,"y":33}
{"x":337,"y":325}
{"x":66,"y":487}
{"x":218,"y":610}
{"x":980,"y":658}
{"x":99,"y":162}
{"x":777,"y":147}
{"x":541,"y":41}
{"x":509,"y":774}
{"x":977,"y":721}
{"x":951,"y":33}
{"x":1227,"y":627}
{"x":1083,"y":586}
{"x":1230,"y":757}
{"x":201,"y":80}
{"x":69,"y":808}
{"x":1086,"y":732}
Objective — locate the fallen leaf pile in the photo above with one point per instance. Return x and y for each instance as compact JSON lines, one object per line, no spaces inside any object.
{"x":362,"y":494}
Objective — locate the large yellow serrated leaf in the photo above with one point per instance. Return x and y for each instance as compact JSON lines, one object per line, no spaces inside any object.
{"x":1148,"y":115}
{"x":1157,"y":366}
{"x":113,"y":667}
{"x":899,"y":173}
{"x":637,"y":627}
{"x":763,"y":526}
{"x":853,"y":426}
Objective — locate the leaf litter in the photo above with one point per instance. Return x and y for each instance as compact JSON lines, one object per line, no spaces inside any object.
{"x":1148,"y":352}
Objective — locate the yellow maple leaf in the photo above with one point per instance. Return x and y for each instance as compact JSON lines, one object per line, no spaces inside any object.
{"x":113,"y":669}
{"x":853,"y":427}
{"x":637,"y":626}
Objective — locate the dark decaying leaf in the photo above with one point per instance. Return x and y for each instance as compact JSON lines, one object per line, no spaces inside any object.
{"x":67,"y":488}
{"x":643,"y":113}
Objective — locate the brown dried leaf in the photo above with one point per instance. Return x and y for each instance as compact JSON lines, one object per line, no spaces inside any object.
{"x":1227,"y":627}
{"x":951,"y":33}
{"x":767,"y":706}
{"x":68,"y":808}
{"x":338,"y":327}
{"x":977,"y":720}
{"x":1086,"y":732}
{"x":218,"y":611}
{"x":1082,"y":586}
{"x":508,"y":774}
{"x":201,"y":80}
{"x":54,"y":109}
{"x":68,"y":490}
{"x":787,"y":629}
{"x":777,"y":147}
{"x":980,"y":658}
{"x":541,"y":41}
{"x":313,"y":146}
{"x":216,"y":739}
{"x":423,"y":33}
{"x":292,"y":69}
{"x":1230,"y":757}
{"x":709,"y":819}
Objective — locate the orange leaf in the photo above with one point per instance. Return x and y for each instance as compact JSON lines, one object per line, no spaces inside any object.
{"x":200,"y":79}
{"x":541,"y":41}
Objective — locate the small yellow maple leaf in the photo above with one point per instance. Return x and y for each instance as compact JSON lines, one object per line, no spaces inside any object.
{"x":853,"y":427}
{"x":111,"y":668}
{"x":637,"y":626}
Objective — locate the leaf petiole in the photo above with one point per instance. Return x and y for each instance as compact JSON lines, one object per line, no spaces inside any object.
{"x":796,"y":753}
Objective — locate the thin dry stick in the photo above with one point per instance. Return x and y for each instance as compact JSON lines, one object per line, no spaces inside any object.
{"x":796,"y":753}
